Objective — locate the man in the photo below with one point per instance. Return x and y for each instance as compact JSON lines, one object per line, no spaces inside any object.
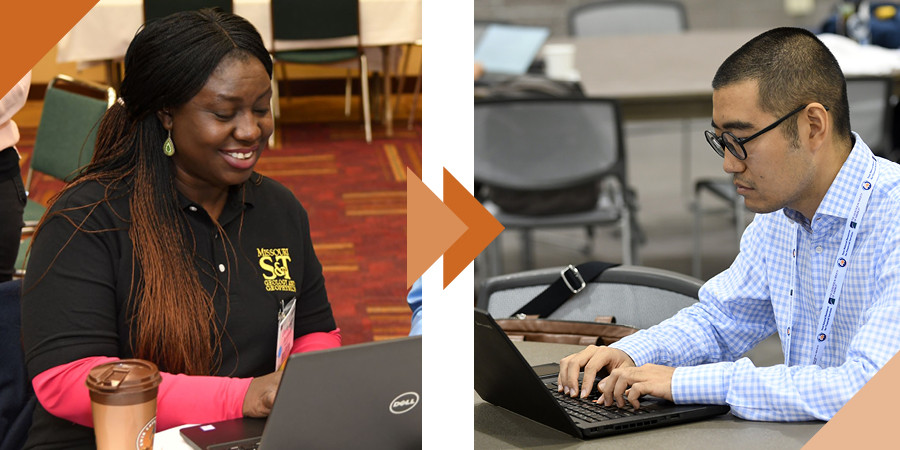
{"x":819,"y":265}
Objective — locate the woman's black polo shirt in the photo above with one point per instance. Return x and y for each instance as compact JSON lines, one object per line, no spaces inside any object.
{"x":76,"y":300}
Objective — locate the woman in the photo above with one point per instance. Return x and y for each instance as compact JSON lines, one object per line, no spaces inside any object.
{"x":169,"y":247}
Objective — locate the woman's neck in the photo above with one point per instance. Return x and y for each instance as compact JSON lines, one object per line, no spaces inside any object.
{"x":211,"y":199}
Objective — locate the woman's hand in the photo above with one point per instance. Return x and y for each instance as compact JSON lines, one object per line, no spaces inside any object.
{"x":261,"y":395}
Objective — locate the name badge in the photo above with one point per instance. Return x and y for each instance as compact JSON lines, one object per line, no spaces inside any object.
{"x":285,"y":332}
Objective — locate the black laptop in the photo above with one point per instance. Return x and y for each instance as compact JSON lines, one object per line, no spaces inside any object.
{"x":359,"y":396}
{"x":505,"y":379}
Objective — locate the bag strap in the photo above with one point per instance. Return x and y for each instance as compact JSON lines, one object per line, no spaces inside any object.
{"x":571,"y":281}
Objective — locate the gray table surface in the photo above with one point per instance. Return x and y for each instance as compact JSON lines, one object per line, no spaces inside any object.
{"x":656,"y":76}
{"x":497,"y":428}
{"x":654,"y":65}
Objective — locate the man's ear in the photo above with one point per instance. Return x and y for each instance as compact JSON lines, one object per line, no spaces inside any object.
{"x":165,"y":117}
{"x":819,"y":124}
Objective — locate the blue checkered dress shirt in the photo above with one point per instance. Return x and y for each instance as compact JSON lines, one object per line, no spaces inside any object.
{"x":749,"y":301}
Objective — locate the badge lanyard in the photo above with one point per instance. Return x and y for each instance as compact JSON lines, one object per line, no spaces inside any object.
{"x":839,"y":270}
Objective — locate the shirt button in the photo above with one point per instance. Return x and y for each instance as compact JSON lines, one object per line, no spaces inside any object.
{"x":819,"y":249}
{"x":192,"y":208}
{"x":221,"y":267}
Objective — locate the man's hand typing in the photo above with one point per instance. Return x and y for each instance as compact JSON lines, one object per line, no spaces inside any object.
{"x":630,"y":383}
{"x":592,"y":359}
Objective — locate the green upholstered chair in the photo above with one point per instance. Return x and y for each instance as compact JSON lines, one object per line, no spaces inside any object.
{"x":65,"y":140}
{"x":66,"y":133}
{"x":315,"y":20}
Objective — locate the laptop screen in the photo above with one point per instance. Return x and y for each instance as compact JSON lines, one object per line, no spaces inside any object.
{"x":509,"y":49}
{"x":365,"y":395}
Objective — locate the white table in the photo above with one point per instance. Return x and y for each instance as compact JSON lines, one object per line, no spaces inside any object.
{"x":106,"y":30}
{"x":171,"y":440}
{"x":104,"y":33}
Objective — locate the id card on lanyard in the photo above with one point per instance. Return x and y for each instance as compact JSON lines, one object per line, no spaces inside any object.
{"x":838,"y":271}
{"x":285,"y":333}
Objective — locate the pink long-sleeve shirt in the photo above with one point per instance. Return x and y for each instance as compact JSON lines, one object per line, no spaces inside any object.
{"x":62,"y":392}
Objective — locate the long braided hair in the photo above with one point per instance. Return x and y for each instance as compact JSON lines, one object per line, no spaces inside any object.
{"x":167,"y":63}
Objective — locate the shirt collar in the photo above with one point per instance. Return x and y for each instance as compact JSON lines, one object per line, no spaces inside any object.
{"x":839,"y":198}
{"x":240,"y":197}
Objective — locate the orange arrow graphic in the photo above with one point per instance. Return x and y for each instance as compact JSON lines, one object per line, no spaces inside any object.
{"x":482,"y":228}
{"x":868,"y":419}
{"x":431,"y":228}
{"x":30,"y":29}
{"x":460,"y":228}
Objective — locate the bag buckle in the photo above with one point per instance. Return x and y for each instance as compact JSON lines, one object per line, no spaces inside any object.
{"x":577,"y":279}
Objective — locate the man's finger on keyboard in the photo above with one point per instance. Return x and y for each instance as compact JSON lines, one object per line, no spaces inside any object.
{"x":634,"y":395}
{"x":622,"y":384}
{"x":570,"y":367}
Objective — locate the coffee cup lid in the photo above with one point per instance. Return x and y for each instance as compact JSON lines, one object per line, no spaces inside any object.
{"x":126,"y":375}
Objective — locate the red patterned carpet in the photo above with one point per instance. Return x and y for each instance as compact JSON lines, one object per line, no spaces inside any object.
{"x":356,"y":197}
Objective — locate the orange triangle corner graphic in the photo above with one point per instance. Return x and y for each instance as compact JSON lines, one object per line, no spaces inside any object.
{"x":867,"y":419}
{"x":30,"y":30}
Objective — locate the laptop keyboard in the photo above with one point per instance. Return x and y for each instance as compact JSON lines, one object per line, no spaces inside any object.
{"x":588,"y":411}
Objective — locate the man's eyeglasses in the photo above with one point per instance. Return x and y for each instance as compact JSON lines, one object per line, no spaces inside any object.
{"x":735,"y":145}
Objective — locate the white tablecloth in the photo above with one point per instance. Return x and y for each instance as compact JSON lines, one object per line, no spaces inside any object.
{"x":106,"y":30}
{"x":862,"y":60}
{"x":171,"y":440}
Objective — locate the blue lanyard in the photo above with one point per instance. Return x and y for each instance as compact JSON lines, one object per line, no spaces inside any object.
{"x":838,"y":272}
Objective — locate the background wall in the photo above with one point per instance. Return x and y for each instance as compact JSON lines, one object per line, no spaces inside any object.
{"x":701,"y":14}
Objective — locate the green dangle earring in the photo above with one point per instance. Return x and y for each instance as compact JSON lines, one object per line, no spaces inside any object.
{"x":168,"y":146}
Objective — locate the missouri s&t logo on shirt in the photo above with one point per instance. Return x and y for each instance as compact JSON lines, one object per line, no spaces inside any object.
{"x":276,"y":274}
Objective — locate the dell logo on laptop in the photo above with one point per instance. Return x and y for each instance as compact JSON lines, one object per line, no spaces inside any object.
{"x":404,"y":402}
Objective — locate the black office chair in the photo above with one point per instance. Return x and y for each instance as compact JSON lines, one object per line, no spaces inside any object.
{"x":636,"y":296}
{"x":155,"y":9}
{"x":872,"y":112}
{"x":17,"y":398}
{"x":548,"y":145}
{"x":617,"y":17}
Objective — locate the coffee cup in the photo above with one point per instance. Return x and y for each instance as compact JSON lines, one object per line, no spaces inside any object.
{"x":559,"y":61}
{"x":123,"y":403}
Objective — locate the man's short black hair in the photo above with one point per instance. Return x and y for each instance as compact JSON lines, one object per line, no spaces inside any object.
{"x":792,"y":68}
